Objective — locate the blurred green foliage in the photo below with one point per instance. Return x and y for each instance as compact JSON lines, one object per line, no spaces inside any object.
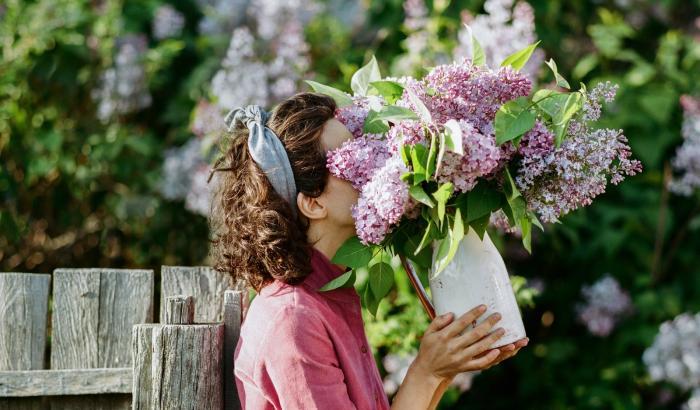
{"x":78,"y":192}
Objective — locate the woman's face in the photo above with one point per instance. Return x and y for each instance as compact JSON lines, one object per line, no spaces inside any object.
{"x":339,"y":195}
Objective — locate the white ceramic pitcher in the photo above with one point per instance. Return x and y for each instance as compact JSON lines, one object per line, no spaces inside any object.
{"x":477,"y":275}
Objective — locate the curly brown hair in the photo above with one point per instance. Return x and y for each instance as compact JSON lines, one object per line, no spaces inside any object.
{"x":255,"y":236}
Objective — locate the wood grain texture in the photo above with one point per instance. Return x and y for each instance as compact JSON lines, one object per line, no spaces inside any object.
{"x":30,"y":383}
{"x":205,"y":284}
{"x":233,"y":317}
{"x":179,"y":310}
{"x":94,"y":312}
{"x":187,"y":366}
{"x":23,"y":319}
{"x":141,"y":350}
{"x":23,"y":310}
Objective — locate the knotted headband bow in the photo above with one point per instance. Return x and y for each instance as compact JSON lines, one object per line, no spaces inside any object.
{"x":267,"y":150}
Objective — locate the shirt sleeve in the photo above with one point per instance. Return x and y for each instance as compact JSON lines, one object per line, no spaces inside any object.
{"x":301,"y":364}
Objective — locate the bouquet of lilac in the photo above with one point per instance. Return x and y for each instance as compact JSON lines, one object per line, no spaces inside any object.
{"x":463,"y":146}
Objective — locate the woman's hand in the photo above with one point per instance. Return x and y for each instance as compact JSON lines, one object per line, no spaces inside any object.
{"x":450,"y":347}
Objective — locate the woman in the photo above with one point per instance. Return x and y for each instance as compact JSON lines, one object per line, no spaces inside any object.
{"x":278,"y":219}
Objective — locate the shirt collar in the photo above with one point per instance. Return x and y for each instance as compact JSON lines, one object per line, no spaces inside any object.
{"x":324,"y":271}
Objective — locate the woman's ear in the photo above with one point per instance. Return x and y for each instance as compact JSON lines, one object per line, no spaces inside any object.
{"x":310,"y":207}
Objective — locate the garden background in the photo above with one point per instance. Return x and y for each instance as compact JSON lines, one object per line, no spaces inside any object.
{"x":108,"y":111}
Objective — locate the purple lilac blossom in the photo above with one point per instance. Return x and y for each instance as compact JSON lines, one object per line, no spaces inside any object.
{"x":606,"y":303}
{"x":503,"y":30}
{"x":198,"y":198}
{"x":481,"y":156}
{"x":687,"y":159}
{"x":382,"y":202}
{"x":179,"y":165}
{"x":569,"y":177}
{"x":358,"y":159}
{"x":207,"y":120}
{"x":167,"y":22}
{"x":674,"y":356}
{"x":123,"y":88}
{"x":693,"y":402}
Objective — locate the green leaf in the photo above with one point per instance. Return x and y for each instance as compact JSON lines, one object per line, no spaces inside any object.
{"x":478,"y":57}
{"x":370,"y":302}
{"x":513,"y":119}
{"x":518,"y":59}
{"x":417,"y":193}
{"x":339,"y":282}
{"x":560,"y":121}
{"x":419,"y":156}
{"x":550,"y":102}
{"x":427,"y":237}
{"x":432,"y":154}
{"x":381,"y":279}
{"x":374,"y":124}
{"x":561,"y":81}
{"x":341,"y":98}
{"x":481,"y":201}
{"x":442,"y":195}
{"x":390,"y":90}
{"x":421,"y":109}
{"x":479,"y":225}
{"x":353,"y":253}
{"x":364,"y":76}
{"x":454,"y":236}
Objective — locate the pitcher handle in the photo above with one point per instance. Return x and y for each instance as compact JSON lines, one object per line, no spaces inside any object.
{"x":418,"y":286}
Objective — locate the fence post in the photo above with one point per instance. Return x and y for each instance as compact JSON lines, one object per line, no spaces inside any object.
{"x":186,"y":363}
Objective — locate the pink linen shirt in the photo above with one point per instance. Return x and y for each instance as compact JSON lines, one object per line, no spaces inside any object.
{"x":304,"y":349}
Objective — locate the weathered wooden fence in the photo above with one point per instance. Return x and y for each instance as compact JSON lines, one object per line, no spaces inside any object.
{"x":102,"y":339}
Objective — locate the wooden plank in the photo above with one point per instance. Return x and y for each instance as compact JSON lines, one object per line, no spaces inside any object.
{"x":23,"y":310}
{"x":142,"y":342}
{"x":126,"y":298}
{"x":32,"y":383}
{"x":205,"y":284}
{"x":23,"y":313}
{"x":233,"y":316}
{"x":179,"y":310}
{"x":187,"y":366}
{"x":74,"y":324}
{"x":95,"y":310}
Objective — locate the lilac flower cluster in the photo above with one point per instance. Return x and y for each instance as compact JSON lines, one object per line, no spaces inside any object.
{"x":687,"y":159}
{"x":557,"y":181}
{"x":481,"y":157}
{"x":693,"y":402}
{"x":358,"y":159}
{"x":606,"y":303}
{"x":462,"y":91}
{"x":123,"y":87}
{"x":503,"y":30}
{"x":383,"y":200}
{"x":397,"y":365}
{"x":184,"y":176}
{"x":674,"y":356}
{"x":168,"y":22}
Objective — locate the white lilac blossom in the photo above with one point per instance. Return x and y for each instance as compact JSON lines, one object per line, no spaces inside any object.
{"x":167,"y":22}
{"x":606,"y":303}
{"x":687,"y":159}
{"x":504,"y":29}
{"x":674,"y":356}
{"x":242,"y":79}
{"x":693,"y":402}
{"x":123,"y":87}
{"x":557,"y":182}
{"x":396,"y":366}
{"x":207,"y":120}
{"x":178,"y":166}
{"x":198,"y":198}
{"x":221,"y":16}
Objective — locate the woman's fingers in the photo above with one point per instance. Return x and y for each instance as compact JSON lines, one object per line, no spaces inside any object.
{"x":471,"y":336}
{"x":485,"y":343}
{"x":440,"y":322}
{"x":463,"y":321}
{"x":482,"y":362}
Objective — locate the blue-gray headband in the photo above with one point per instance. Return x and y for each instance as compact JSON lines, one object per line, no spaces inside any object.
{"x":267,"y":150}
